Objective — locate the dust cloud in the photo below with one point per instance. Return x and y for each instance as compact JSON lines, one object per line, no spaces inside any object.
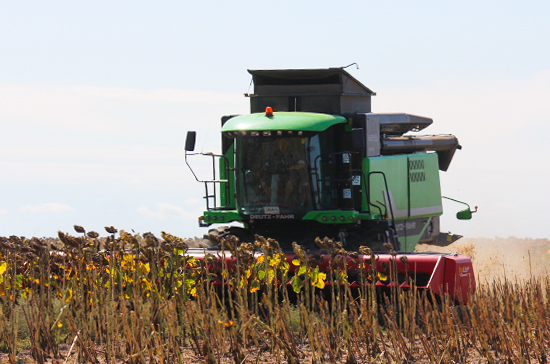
{"x":513,"y":258}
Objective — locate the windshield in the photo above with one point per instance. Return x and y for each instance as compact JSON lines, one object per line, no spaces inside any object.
{"x":274,"y":175}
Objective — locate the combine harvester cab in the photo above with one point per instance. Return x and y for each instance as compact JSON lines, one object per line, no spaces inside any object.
{"x":312,"y":160}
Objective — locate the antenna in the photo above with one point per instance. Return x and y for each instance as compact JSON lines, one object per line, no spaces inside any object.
{"x":354,"y":63}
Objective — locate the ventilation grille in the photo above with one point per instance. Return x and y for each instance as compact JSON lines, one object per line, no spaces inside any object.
{"x":418,"y":177}
{"x":417,"y":165}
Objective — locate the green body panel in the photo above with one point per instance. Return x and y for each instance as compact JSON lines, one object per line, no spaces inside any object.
{"x":225,"y":200}
{"x":394,"y":168}
{"x":298,"y":121}
{"x":408,"y":243}
{"x":413,"y":183}
{"x":220,"y":216}
{"x":425,"y":187}
{"x":339,"y":216}
{"x":333,"y":216}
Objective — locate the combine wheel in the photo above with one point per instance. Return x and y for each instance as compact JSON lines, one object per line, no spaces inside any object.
{"x":210,"y":239}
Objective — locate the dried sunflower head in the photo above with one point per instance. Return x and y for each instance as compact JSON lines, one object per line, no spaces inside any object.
{"x":111,"y":229}
{"x":274,"y":244}
{"x":151,"y":240}
{"x":299,"y":251}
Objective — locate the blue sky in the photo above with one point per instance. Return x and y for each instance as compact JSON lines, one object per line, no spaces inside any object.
{"x":96,"y":99}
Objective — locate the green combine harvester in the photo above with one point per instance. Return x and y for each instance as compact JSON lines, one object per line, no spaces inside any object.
{"x":312,"y":160}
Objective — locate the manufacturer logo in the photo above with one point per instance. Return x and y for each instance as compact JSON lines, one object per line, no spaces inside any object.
{"x":272,"y":217}
{"x":272,"y":210}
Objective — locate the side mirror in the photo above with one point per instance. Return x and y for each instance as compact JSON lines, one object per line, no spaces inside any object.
{"x":358,"y":138}
{"x":190,"y":141}
{"x":464,"y":214}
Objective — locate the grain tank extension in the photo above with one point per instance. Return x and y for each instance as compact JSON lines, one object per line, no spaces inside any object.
{"x":312,"y":160}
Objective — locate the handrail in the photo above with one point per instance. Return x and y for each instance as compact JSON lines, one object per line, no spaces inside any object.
{"x":213,"y":181}
{"x":387,"y":190}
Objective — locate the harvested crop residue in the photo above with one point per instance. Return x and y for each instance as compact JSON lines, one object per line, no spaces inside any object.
{"x":510,"y":258}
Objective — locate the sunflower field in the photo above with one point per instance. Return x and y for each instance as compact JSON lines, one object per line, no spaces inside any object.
{"x":130,"y":298}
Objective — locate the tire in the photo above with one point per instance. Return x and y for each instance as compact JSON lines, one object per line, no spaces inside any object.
{"x":210,"y":240}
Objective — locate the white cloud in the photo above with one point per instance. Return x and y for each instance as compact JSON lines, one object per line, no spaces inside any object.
{"x":47,"y":207}
{"x":159,"y":95}
{"x":166,"y":211}
{"x":108,"y":110}
{"x":193,"y":202}
{"x":4,"y":211}
{"x":56,"y":132}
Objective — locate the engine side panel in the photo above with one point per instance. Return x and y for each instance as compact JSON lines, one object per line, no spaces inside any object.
{"x":413,"y":195}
